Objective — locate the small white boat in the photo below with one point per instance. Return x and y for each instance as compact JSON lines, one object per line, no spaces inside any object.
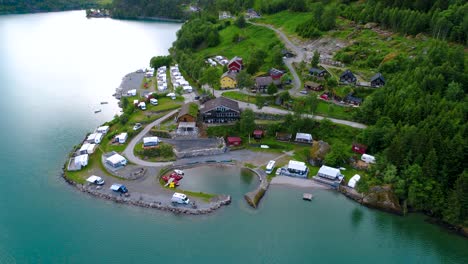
{"x":180,"y":172}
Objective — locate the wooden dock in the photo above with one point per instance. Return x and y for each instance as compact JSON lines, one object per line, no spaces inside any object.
{"x":307,"y":196}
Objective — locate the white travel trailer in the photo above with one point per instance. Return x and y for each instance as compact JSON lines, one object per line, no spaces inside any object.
{"x":354,"y":180}
{"x":95,"y":138}
{"x":180,"y":198}
{"x":142,"y":105}
{"x":102,"y":129}
{"x":121,"y":138}
{"x":132,"y":92}
{"x":150,"y":141}
{"x":270,"y":166}
{"x":81,"y":160}
{"x":368,"y":158}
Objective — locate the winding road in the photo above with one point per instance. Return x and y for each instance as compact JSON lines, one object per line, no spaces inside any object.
{"x":128,"y":152}
{"x":300,"y":54}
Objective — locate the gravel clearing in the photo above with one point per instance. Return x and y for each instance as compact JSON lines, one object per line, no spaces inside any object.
{"x":297,"y":182}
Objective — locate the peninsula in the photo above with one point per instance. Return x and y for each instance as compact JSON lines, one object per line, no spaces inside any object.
{"x":370,"y":109}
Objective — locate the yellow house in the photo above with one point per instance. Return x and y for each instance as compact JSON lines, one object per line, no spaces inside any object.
{"x":228,"y":80}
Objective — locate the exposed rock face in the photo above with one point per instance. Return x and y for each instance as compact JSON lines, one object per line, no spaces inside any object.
{"x":379,"y":197}
{"x":318,"y":152}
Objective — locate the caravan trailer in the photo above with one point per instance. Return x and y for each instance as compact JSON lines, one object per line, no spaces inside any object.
{"x":270,"y":167}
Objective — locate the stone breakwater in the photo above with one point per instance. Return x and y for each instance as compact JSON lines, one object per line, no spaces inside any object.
{"x":254,"y":197}
{"x":213,"y":206}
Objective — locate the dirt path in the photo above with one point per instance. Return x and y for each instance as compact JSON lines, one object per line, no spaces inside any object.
{"x":300,"y":54}
{"x":297,"y":182}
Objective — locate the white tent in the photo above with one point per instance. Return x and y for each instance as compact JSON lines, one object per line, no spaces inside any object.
{"x":304,"y":137}
{"x":368,"y":158}
{"x":352,"y":182}
{"x":297,"y":166}
{"x":329,"y":172}
{"x":102,"y":129}
{"x":116,"y":160}
{"x":132,"y":92}
{"x":81,"y":160}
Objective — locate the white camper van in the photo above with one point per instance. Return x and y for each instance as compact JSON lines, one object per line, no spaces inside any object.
{"x":180,"y":198}
{"x":270,"y":167}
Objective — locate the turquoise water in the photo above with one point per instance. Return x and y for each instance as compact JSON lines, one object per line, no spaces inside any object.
{"x":55,"y":68}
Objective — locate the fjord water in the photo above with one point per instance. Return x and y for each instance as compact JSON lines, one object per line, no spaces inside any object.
{"x":55,"y":68}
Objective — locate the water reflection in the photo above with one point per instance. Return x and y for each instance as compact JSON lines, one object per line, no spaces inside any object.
{"x":246,"y":176}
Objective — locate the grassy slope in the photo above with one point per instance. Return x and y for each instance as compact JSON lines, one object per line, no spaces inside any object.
{"x":287,"y":21}
{"x":256,"y":38}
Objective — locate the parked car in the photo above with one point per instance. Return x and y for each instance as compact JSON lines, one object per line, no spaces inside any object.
{"x":119,"y":188}
{"x":180,"y":198}
{"x":154,"y":101}
{"x":197,"y":97}
{"x":137,"y":126}
{"x":303,"y":92}
{"x":95,"y":179}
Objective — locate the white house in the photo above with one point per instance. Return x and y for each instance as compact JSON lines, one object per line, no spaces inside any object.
{"x":102,"y":129}
{"x":297,"y":167}
{"x":329,"y":173}
{"x":368,"y":158}
{"x":116,"y":161}
{"x":304,"y":137}
{"x":352,"y":182}
{"x":87,"y":148}
{"x":121,"y":138}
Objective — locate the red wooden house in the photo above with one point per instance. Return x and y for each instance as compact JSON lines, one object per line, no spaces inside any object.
{"x":276,"y":74}
{"x":258,"y":134}
{"x":235,"y":65}
{"x":359,"y":148}
{"x":234,"y":141}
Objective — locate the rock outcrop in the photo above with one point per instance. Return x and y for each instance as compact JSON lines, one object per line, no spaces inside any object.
{"x":379,"y":197}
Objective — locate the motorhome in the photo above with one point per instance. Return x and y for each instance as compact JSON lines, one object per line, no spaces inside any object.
{"x":180,"y":198}
{"x":270,"y":167}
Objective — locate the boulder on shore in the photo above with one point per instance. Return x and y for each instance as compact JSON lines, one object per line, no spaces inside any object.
{"x":379,"y":197}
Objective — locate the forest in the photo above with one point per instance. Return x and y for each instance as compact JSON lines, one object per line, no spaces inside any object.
{"x":32,"y":6}
{"x":148,"y":8}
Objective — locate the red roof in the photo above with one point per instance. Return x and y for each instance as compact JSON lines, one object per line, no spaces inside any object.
{"x":258,"y":132}
{"x":359,"y":148}
{"x":234,"y":139}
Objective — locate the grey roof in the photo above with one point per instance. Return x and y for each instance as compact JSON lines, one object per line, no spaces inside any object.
{"x":350,"y":97}
{"x":275,"y":71}
{"x":377,"y":76}
{"x":315,"y":70}
{"x":221,"y":101}
{"x":232,"y":75}
{"x":263,"y":81}
{"x":346,"y":73}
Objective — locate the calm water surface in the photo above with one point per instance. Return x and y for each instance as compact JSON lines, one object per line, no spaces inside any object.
{"x":55,"y":68}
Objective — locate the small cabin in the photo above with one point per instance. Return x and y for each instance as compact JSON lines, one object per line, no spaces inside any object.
{"x":258,"y":134}
{"x":348,"y":77}
{"x":313,"y":86}
{"x":304,"y":138}
{"x":329,"y":173}
{"x":377,"y":80}
{"x":317,"y":72}
{"x":283,"y":136}
{"x":234,"y":141}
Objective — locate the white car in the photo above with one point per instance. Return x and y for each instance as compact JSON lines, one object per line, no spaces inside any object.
{"x":137,"y":126}
{"x":154,"y":101}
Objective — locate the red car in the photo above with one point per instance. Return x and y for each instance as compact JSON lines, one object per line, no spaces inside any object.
{"x":176,"y":176}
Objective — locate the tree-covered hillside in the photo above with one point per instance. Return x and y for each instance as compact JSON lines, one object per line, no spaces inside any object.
{"x":31,"y":6}
{"x":149,"y":8}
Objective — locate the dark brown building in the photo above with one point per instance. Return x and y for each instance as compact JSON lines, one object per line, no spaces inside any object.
{"x":220,"y":110}
{"x":188,"y":113}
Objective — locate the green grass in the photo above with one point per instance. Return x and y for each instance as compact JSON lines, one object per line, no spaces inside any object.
{"x":334,"y":111}
{"x":240,"y":96}
{"x":204,"y":196}
{"x":287,"y":21}
{"x":139,"y":146}
{"x":250,"y":165}
{"x":255,"y":38}
{"x":165,"y":104}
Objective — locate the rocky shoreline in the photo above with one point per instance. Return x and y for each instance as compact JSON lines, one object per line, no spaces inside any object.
{"x":213,"y":206}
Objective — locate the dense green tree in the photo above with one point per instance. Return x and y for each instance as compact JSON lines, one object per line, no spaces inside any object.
{"x":338,"y":156}
{"x":272,"y":89}
{"x":240,"y":22}
{"x":244,"y":80}
{"x":159,"y":61}
{"x":247,"y":122}
{"x":315,"y":59}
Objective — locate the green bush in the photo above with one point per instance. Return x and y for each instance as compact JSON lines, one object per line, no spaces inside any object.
{"x":160,"y":133}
